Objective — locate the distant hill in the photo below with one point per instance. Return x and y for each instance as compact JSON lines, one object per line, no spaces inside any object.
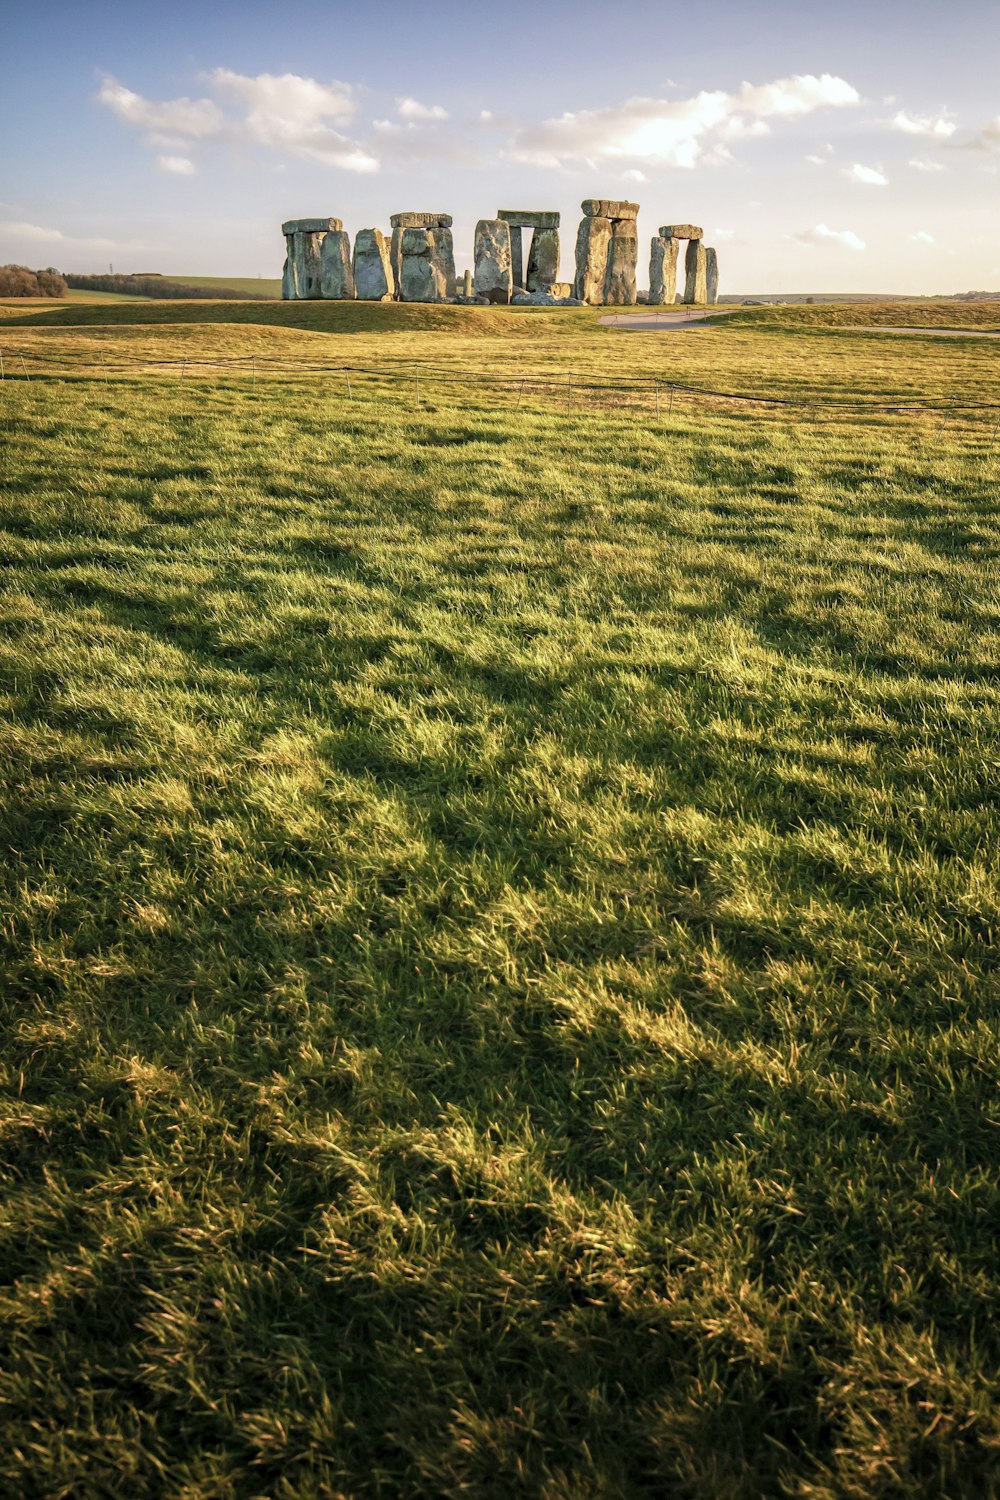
{"x":152,"y":284}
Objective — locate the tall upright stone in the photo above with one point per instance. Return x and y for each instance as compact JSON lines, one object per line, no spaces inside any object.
{"x":336,"y":276}
{"x":695,"y":284}
{"x":415,"y":220}
{"x":593,"y":242}
{"x":663,"y":270}
{"x":421,"y":278}
{"x":468,"y":289}
{"x":493,"y":275}
{"x":516,"y":255}
{"x":623,"y":254}
{"x":543,"y":259}
{"x":304,"y":242}
{"x":374,"y":280}
{"x":443,"y":250}
{"x":711,"y":275}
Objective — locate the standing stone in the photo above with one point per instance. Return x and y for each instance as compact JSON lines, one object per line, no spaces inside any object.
{"x":401,"y":222}
{"x":396,"y":260}
{"x":695,"y":287}
{"x":593,"y":241}
{"x":711,"y":275}
{"x":516,"y":255}
{"x":663,"y":270}
{"x":543,"y":259}
{"x":304,"y":239}
{"x":421,"y":279}
{"x":336,"y":278}
{"x":467,"y":287}
{"x":287,"y":280}
{"x":619,"y":279}
{"x":373,"y":274}
{"x":493,"y":268}
{"x":443,"y":252}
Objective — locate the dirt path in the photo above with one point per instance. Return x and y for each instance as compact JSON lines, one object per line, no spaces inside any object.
{"x":666,"y":319}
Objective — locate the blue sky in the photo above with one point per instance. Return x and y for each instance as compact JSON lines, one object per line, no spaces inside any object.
{"x":849,"y":147}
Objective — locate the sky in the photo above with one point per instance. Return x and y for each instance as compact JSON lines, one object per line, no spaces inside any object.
{"x":848,"y":147}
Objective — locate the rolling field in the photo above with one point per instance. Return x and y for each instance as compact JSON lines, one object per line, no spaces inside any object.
{"x":500,"y":912}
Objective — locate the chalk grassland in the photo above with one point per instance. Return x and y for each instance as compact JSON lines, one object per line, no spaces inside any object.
{"x":501,"y":923}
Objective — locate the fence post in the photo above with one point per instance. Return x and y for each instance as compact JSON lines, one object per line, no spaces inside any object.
{"x":253,"y":368}
{"x":2,"y":375}
{"x":519,"y":395}
{"x":670,"y":407}
{"x":24,"y":370}
{"x":657,"y":400}
{"x":349,"y":391}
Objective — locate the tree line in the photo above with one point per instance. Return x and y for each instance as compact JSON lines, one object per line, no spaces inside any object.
{"x":21,"y":281}
{"x":152,"y":285}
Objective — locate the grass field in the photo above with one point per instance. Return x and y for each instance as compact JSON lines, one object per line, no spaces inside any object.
{"x":501,"y":923}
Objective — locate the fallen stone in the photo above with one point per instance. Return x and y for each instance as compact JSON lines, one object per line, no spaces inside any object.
{"x":593,"y":240}
{"x":310,"y":226}
{"x":374,"y":279}
{"x":623,"y":254}
{"x":420,"y":221}
{"x":711,"y":275}
{"x":662,"y":269}
{"x":695,"y":286}
{"x":336,"y":276}
{"x":530,"y":218}
{"x":681,"y":232}
{"x":473,"y":301}
{"x":609,"y":208}
{"x":493,"y":277}
{"x":543,"y":259}
{"x":420,"y":276}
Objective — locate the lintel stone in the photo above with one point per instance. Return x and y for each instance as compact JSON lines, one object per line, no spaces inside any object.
{"x":311,"y":226}
{"x":530,"y":218}
{"x":681,"y":232}
{"x":420,"y":221}
{"x":609,"y":208}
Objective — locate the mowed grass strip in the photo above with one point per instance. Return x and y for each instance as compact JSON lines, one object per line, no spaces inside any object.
{"x":500,"y":949}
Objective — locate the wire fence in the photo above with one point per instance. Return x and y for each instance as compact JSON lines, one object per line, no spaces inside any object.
{"x":418,"y":384}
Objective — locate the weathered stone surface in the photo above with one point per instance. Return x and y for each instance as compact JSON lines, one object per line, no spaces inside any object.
{"x":421,"y":279}
{"x":695,"y":286}
{"x":468,"y":289}
{"x":530,"y":218}
{"x":609,"y":208}
{"x":420,"y":221}
{"x":517,"y":256}
{"x":711,"y":275}
{"x":374,"y":278}
{"x":443,"y":242}
{"x":662,"y":269}
{"x":593,"y":241}
{"x":492,"y":252}
{"x":623,"y":254}
{"x":396,"y":259}
{"x":304,"y":253}
{"x":681,"y":232}
{"x":336,"y":276}
{"x":543,"y":259}
{"x":545,"y":297}
{"x":310,"y":226}
{"x":287,"y":280}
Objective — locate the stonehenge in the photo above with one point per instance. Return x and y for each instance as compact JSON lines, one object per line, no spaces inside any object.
{"x":417,"y":262}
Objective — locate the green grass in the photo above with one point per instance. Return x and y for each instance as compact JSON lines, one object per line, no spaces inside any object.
{"x":501,"y":927}
{"x":263,"y":286}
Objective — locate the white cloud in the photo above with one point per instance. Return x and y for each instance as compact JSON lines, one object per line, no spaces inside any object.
{"x":987,"y":139}
{"x":817,"y":161}
{"x":870,"y":176}
{"x":485,"y":114}
{"x":938,"y":128}
{"x":180,"y":165}
{"x":33,"y":241}
{"x":921,"y":164}
{"x":922,"y":238}
{"x":286,"y":112}
{"x":412,"y":109}
{"x":634,"y":175}
{"x":194,"y":118}
{"x":676,"y":133}
{"x":821,"y":235}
